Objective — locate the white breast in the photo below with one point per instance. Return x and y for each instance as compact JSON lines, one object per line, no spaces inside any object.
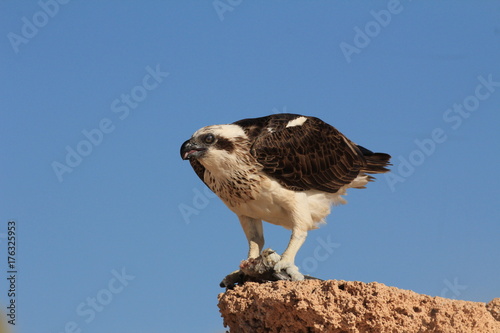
{"x":275,"y":204}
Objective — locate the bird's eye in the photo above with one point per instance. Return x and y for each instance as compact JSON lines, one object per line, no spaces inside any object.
{"x":209,"y":138}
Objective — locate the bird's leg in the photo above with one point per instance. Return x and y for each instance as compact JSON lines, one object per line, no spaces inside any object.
{"x":255,"y":235}
{"x":287,"y":261}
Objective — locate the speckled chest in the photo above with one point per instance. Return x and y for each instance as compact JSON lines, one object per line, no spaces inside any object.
{"x":234,"y":187}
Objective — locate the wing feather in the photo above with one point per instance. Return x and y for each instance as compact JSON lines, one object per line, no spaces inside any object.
{"x":313,"y":155}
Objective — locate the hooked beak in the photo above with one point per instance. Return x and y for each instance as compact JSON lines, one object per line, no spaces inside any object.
{"x":189,"y":150}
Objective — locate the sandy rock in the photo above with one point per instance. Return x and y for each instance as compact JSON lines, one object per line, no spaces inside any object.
{"x":348,"y":306}
{"x":494,"y":308}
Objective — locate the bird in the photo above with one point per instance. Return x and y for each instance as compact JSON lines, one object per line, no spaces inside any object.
{"x":285,"y":169}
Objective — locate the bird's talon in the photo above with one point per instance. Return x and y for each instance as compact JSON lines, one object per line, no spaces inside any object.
{"x":290,"y":269}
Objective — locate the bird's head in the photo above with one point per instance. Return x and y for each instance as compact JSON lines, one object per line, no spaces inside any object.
{"x":215,"y":142}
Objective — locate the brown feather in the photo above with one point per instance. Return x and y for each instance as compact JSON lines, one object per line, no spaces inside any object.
{"x":313,"y":155}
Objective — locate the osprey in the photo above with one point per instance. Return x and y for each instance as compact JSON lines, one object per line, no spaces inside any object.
{"x":285,"y":169}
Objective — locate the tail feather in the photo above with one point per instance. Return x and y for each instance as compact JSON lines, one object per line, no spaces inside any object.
{"x":375,"y":162}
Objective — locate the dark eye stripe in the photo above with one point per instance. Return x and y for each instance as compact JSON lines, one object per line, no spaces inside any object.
{"x":225,"y":144}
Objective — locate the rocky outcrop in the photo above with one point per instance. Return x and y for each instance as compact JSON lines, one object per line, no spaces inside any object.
{"x":347,"y":306}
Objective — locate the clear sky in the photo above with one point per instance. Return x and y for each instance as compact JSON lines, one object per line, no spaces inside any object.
{"x":115,"y":233}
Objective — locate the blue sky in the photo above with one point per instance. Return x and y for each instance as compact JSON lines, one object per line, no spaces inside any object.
{"x":116,"y":233}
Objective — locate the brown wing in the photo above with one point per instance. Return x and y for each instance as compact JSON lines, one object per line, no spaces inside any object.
{"x":313,"y":155}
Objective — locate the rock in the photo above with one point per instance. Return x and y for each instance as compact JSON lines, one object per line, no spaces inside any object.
{"x":349,"y":306}
{"x":494,"y":308}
